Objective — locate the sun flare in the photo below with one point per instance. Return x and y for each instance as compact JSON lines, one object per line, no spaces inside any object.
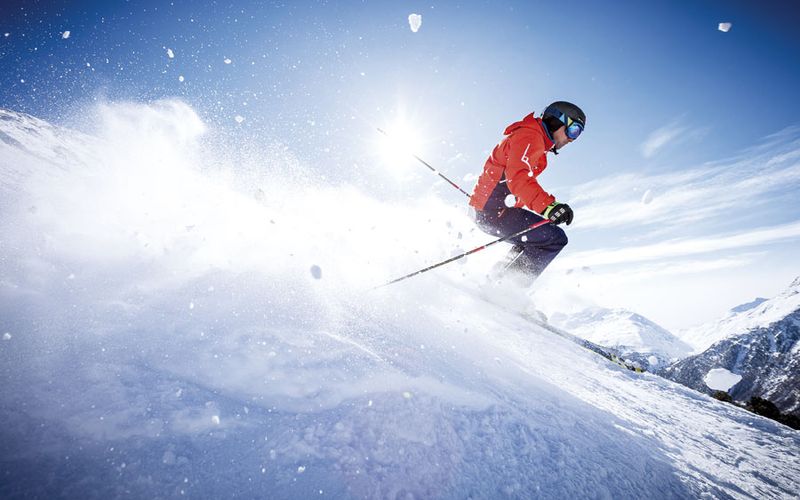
{"x":399,"y":142}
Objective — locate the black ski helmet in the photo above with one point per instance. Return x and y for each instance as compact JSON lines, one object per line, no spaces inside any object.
{"x":554,"y":115}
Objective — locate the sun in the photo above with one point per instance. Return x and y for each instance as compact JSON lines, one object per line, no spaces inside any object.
{"x":399,"y":142}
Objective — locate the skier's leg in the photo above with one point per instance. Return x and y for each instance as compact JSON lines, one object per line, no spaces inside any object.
{"x":533,"y":251}
{"x":543,"y":245}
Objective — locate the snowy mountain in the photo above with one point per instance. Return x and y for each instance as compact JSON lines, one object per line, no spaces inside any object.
{"x":757,"y":314}
{"x":767,"y":358}
{"x":633,"y":336}
{"x":165,"y":332}
{"x":749,"y":305}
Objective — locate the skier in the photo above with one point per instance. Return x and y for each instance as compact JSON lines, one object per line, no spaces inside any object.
{"x":508,"y":198}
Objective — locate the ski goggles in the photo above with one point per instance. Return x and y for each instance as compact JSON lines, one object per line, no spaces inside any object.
{"x":573,"y":129}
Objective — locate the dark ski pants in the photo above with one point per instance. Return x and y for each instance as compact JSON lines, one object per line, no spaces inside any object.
{"x":532,"y":251}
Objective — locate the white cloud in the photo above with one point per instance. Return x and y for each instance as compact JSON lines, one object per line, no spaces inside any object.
{"x":713,"y":235}
{"x":700,"y":194}
{"x":662,"y":137}
{"x":684,"y":247}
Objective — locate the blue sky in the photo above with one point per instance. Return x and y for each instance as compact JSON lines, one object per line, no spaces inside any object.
{"x":706,"y":121}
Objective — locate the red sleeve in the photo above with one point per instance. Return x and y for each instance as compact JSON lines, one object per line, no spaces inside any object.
{"x":524,"y":152}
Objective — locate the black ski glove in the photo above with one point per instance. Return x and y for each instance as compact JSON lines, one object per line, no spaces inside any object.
{"x":558,"y":213}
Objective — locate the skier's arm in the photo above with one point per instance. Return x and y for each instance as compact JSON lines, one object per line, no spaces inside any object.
{"x":521,"y":171}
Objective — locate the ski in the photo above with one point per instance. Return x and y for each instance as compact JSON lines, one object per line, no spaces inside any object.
{"x":586,"y":344}
{"x":591,"y":346}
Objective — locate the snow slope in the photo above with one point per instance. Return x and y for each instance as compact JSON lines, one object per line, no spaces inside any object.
{"x":169,"y":331}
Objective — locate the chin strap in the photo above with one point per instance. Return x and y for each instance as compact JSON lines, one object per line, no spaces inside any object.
{"x":554,"y":149}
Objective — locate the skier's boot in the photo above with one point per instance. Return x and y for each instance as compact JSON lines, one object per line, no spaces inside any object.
{"x":509,"y":283}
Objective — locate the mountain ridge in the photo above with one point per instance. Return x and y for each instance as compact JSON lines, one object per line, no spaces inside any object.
{"x":763,"y":350}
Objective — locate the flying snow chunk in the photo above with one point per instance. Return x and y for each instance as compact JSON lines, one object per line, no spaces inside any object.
{"x":415,"y":21}
{"x":510,"y":200}
{"x":6,"y":35}
{"x":228,"y":61}
{"x":316,"y":272}
{"x":170,"y":54}
{"x":215,"y":419}
{"x":647,"y":197}
{"x":720,"y":379}
{"x":181,"y":78}
{"x":65,"y":35}
{"x":725,"y":27}
{"x":6,"y":336}
{"x":239,"y":118}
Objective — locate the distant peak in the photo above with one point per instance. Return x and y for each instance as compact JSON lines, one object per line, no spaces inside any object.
{"x":749,"y":305}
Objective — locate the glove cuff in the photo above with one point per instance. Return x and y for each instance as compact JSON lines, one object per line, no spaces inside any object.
{"x":549,"y":208}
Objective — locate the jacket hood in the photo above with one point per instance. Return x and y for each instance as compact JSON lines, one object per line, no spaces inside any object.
{"x":534,"y":124}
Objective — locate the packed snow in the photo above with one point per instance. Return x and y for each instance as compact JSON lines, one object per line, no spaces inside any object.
{"x":65,"y":35}
{"x":724,"y":27}
{"x":170,"y":54}
{"x":278,"y":384}
{"x":720,"y":379}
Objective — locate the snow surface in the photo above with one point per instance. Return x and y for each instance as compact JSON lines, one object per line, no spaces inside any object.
{"x":720,"y":379}
{"x":744,"y":318}
{"x":279,"y":385}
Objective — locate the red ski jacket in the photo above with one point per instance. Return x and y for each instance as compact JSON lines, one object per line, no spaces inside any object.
{"x":512,"y":168}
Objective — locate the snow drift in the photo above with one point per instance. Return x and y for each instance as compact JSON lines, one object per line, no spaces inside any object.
{"x":189,"y":318}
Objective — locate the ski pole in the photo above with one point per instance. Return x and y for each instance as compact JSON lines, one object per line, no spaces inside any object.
{"x":431,"y":168}
{"x":451,"y":259}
